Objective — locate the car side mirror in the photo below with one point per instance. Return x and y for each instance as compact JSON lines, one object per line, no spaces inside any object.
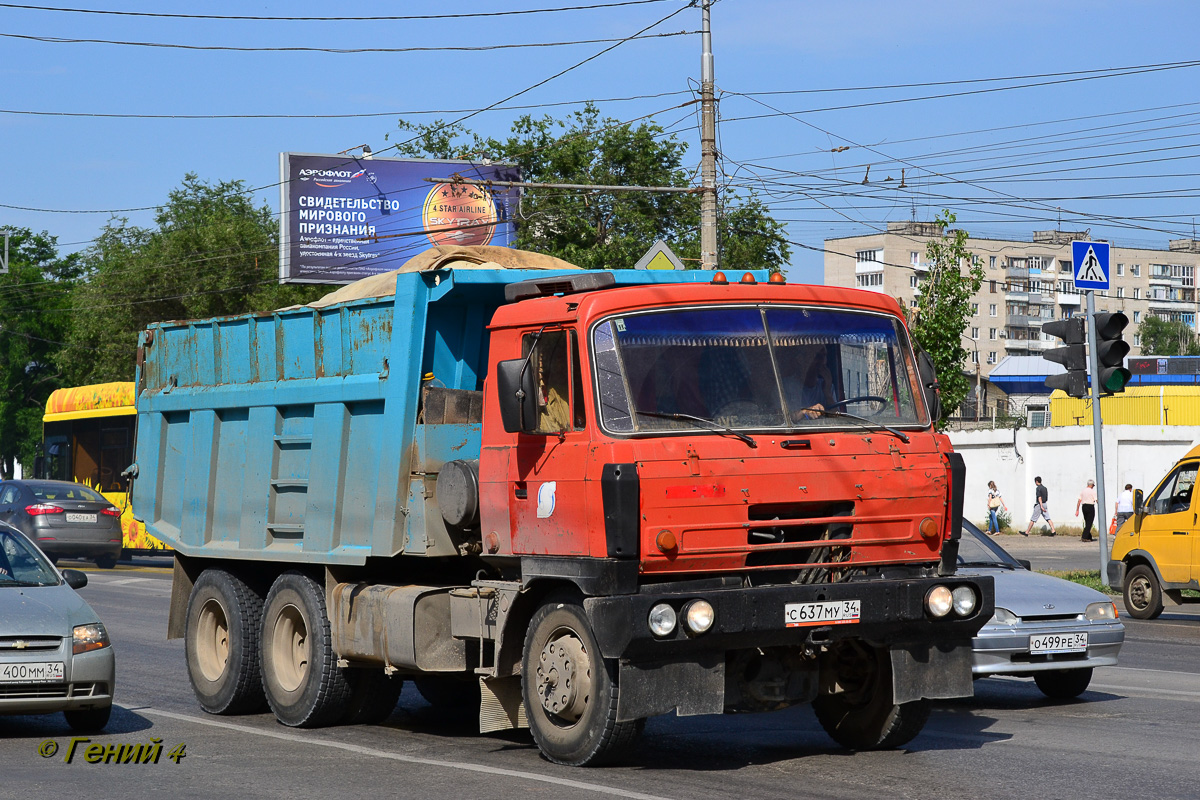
{"x":1026,"y":563}
{"x":517,"y":394}
{"x":1139,"y":510}
{"x":74,"y":578}
{"x":929,"y":384}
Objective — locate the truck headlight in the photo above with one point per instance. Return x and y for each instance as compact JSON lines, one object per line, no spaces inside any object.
{"x":1106,"y":610}
{"x":964,"y":600}
{"x":939,"y":601}
{"x":698,"y":615}
{"x":89,"y":637}
{"x":662,"y":620}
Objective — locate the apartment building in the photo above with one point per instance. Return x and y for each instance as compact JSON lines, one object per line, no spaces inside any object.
{"x":1026,"y":283}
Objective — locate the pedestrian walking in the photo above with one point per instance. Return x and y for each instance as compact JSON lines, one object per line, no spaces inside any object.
{"x":1087,"y":503}
{"x":994,"y":503}
{"x":1124,"y":507}
{"x":1041,"y":496}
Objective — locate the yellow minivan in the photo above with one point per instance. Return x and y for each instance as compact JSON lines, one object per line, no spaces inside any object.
{"x":1156,"y":553}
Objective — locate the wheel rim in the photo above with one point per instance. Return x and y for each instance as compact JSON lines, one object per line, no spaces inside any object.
{"x":564,"y":677}
{"x":212,"y":640}
{"x":1140,"y":592}
{"x":289,"y":648}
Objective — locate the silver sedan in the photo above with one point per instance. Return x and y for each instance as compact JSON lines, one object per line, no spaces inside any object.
{"x":54,"y":651}
{"x":1052,"y":630}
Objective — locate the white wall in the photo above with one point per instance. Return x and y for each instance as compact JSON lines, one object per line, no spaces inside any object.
{"x":1063,"y":457}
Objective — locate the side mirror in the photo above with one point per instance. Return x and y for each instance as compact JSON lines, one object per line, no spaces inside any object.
{"x":518,"y":395}
{"x":929,"y":385}
{"x":1026,"y":563}
{"x":1139,"y":510}
{"x":74,"y":578}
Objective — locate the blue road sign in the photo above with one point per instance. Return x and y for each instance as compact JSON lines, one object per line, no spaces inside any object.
{"x":1091,"y":265}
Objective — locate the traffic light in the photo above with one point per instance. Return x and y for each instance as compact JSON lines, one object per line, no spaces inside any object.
{"x":1111,"y":350}
{"x":1073,"y":356}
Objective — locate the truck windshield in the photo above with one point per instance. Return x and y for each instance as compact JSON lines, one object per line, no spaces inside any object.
{"x":753,"y":368}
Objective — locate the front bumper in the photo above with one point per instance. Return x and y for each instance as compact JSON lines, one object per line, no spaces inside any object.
{"x":892,"y":613}
{"x":89,"y":683}
{"x":1004,"y":649}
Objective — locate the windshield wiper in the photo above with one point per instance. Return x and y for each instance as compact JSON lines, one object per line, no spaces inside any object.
{"x":868,"y":423}
{"x":716,"y":426}
{"x":1003,"y":564}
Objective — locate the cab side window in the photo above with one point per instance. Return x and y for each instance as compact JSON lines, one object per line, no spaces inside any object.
{"x":551,"y":363}
{"x":1175,"y":493}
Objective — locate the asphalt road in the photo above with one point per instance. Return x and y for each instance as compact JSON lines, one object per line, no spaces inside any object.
{"x":1132,"y":734}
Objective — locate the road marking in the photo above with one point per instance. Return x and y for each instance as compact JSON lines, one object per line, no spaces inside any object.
{"x":125,"y":581}
{"x":432,"y":762}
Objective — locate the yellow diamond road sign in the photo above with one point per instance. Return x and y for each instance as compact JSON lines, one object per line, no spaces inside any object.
{"x":659,"y":257}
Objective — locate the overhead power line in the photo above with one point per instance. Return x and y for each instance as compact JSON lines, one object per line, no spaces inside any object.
{"x":389,"y":18}
{"x":340,"y":50}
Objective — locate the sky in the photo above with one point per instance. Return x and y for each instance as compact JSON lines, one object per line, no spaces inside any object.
{"x":1016,"y":116}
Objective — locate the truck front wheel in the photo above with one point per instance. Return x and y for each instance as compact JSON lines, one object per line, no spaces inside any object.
{"x":862,"y":715}
{"x":303,"y":683}
{"x":570,"y":691}
{"x":1143,"y":594}
{"x":221,"y":643}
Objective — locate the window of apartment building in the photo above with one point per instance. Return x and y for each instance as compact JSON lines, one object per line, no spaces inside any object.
{"x":1137,"y":316}
{"x":913,"y":303}
{"x":991,"y":333}
{"x":1137,"y":340}
{"x":1120,"y":269}
{"x":975,"y":309}
{"x":992,"y":310}
{"x":1137,"y":293}
{"x":991,"y":262}
{"x":975,"y":357}
{"x":869,"y":279}
{"x":1067,"y":313}
{"x":992,"y":357}
{"x":866,"y":255}
{"x":914,"y":258}
{"x":974,"y":333}
{"x":992,"y":286}
{"x":1035,"y":262}
{"x":1135,"y":270}
{"x":1120,"y":291}
{"x":1035,"y":286}
{"x":1064,"y":266}
{"x":913,"y":281}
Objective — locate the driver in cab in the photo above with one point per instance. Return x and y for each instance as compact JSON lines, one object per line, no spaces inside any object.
{"x":807,"y":384}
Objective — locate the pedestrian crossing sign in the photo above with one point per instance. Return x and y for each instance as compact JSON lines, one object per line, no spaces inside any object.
{"x":1090,"y":260}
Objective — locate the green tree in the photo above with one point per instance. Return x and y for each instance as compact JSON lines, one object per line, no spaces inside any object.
{"x":35,"y":299}
{"x":212,"y":252}
{"x":607,"y":230}
{"x":1164,"y":337}
{"x":944,"y":309}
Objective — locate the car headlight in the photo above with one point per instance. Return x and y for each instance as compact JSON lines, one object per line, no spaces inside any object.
{"x":698,"y":615}
{"x":1106,"y":610}
{"x":964,"y":600}
{"x":662,"y":620}
{"x":1004,"y":617}
{"x":939,"y":601}
{"x":89,"y":637}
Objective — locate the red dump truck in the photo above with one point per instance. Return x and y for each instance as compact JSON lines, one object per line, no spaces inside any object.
{"x":577,"y":499}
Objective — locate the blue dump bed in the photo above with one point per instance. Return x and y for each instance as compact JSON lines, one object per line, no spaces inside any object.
{"x":294,"y":435}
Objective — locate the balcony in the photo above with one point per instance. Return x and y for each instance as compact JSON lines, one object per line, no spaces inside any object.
{"x":1068,"y":299}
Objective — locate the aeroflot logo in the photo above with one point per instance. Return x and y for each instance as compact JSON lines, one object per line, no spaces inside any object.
{"x":333,"y":178}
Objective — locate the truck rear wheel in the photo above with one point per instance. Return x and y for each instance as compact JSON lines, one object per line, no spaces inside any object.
{"x":303,"y":683}
{"x":570,"y":691}
{"x":221,"y":643}
{"x":863,"y":716}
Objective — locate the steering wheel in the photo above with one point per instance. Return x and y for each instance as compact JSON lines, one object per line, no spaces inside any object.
{"x":866,"y":398}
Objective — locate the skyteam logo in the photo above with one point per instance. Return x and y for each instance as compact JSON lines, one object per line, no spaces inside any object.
{"x":334,"y":178}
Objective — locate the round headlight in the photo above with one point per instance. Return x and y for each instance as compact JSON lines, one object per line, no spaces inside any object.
{"x":939,"y":601}
{"x":662,"y":620}
{"x":964,"y":600}
{"x":1101,"y":611}
{"x":698,"y":615}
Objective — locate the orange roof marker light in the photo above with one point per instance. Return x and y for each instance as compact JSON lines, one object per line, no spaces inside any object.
{"x":748,"y":278}
{"x":777,"y":277}
{"x":720,"y":279}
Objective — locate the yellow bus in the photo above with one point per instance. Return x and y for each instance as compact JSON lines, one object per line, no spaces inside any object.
{"x":88,"y":438}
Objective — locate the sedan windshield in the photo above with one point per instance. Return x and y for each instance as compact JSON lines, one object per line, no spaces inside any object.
{"x":754,"y":367}
{"x":22,"y":564}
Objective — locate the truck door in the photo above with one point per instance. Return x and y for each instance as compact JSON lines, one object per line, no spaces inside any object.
{"x":1168,"y":529}
{"x":548,"y":493}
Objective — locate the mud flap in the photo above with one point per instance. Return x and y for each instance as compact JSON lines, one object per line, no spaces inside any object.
{"x":934,"y":672}
{"x":501,"y":707}
{"x":689,"y":688}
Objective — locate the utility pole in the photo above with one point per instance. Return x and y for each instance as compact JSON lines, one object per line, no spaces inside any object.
{"x":708,"y":148}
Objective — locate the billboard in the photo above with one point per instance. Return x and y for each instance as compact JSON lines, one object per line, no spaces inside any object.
{"x":345,"y":218}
